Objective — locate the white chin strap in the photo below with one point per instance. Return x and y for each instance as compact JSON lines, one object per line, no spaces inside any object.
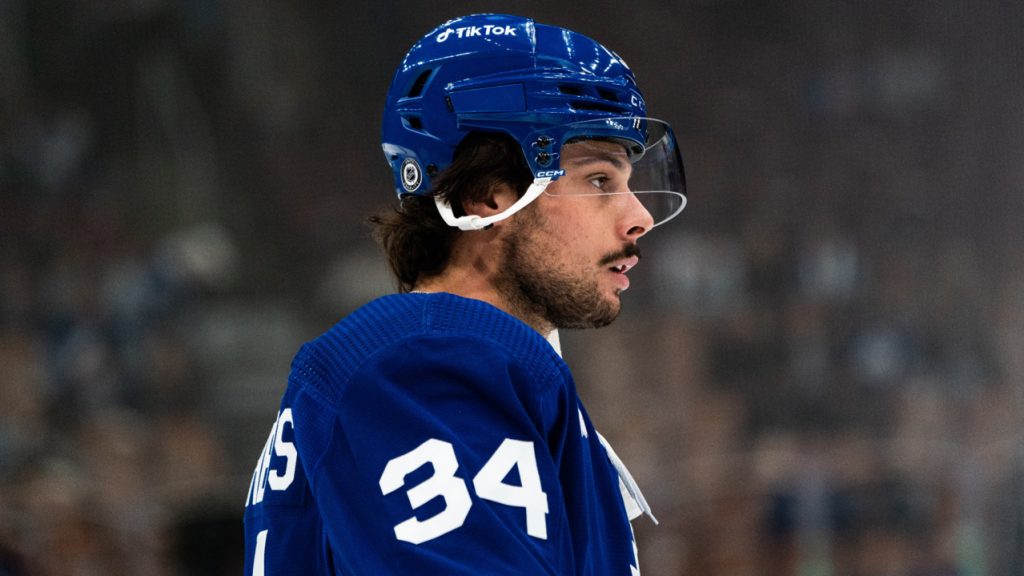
{"x":476,"y":222}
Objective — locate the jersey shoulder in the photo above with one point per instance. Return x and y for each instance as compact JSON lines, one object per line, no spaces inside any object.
{"x":391,"y":327}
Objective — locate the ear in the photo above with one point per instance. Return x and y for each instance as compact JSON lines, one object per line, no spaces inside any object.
{"x":500,"y":196}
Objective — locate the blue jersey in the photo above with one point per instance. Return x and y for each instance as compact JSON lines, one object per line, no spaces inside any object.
{"x":433,"y":434}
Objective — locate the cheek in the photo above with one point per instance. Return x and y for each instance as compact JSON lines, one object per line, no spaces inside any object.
{"x":556,"y":247}
{"x":578,"y":214}
{"x":570,"y":226}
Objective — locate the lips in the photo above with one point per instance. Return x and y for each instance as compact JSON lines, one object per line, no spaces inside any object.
{"x":619,"y":263}
{"x":624,"y":265}
{"x":618,"y":271}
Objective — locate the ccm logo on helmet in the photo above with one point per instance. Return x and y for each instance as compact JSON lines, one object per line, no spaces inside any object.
{"x":470,"y":31}
{"x":550,"y":173}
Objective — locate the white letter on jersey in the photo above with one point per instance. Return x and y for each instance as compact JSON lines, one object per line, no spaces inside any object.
{"x":261,"y":551}
{"x":443,"y":483}
{"x":489,"y":484}
{"x":286,"y":450}
{"x":259,"y":477}
{"x":275,"y":446}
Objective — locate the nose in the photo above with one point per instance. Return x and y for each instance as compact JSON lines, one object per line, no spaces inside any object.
{"x":636,"y":219}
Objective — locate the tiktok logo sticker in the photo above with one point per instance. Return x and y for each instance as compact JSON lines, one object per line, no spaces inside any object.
{"x":471,"y":31}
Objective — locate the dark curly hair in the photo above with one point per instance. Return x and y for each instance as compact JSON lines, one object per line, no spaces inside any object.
{"x":415,"y":239}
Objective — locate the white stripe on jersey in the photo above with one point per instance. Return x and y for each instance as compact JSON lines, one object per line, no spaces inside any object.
{"x":636,"y":504}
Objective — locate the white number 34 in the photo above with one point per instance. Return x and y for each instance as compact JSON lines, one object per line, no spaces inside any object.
{"x":488,"y":483}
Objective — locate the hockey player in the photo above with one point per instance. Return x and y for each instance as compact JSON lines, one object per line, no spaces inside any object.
{"x":438,"y":430}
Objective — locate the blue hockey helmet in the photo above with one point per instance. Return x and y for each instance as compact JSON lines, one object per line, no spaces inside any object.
{"x":540,"y":84}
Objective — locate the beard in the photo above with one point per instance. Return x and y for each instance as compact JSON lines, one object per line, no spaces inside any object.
{"x":566,"y":297}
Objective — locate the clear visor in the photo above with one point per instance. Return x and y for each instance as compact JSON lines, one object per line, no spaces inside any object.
{"x":625,"y":157}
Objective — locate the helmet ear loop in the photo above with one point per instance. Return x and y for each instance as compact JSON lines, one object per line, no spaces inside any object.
{"x":477,"y":222}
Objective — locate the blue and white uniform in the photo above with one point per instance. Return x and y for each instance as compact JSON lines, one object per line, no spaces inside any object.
{"x":434,"y":434}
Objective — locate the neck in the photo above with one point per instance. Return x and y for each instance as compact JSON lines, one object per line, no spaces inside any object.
{"x":473,"y":272}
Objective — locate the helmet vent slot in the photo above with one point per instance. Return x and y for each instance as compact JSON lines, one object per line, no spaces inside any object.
{"x":421,"y":81}
{"x":596,"y":106}
{"x":413,"y":122}
{"x":592,"y":98}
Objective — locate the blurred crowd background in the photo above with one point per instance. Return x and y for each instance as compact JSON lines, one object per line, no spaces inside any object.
{"x":819,"y":370}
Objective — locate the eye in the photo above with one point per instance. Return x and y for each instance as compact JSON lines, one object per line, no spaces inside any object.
{"x":599,"y":181}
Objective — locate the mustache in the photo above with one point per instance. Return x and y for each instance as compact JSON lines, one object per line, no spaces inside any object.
{"x":628,"y":251}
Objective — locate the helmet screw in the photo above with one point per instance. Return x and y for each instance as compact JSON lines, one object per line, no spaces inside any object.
{"x":543,"y":142}
{"x":543,"y":158}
